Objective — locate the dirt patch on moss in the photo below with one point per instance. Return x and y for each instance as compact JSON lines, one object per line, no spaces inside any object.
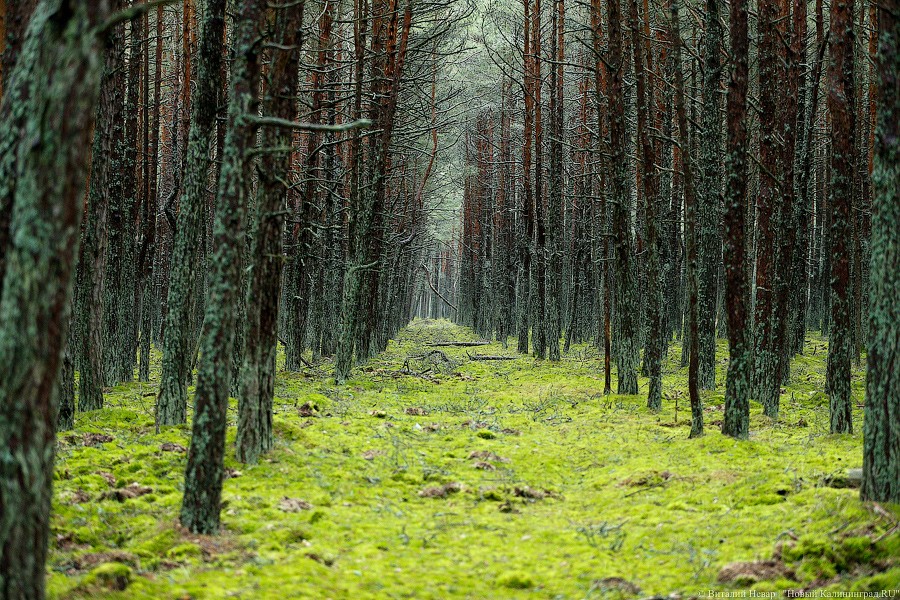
{"x":441,"y":491}
{"x":743,"y":573}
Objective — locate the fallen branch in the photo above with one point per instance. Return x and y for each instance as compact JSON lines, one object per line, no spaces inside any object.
{"x":887,"y":533}
{"x":458,"y":344}
{"x":428,"y":355}
{"x":644,"y":489}
{"x":489,"y":357}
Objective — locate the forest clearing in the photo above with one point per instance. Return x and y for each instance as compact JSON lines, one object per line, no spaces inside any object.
{"x":475,"y":479}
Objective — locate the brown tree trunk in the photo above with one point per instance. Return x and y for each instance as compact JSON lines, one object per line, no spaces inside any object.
{"x":843,"y":134}
{"x":738,"y":384}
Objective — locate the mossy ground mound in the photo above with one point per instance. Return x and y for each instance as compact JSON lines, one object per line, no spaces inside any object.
{"x":507,"y":479}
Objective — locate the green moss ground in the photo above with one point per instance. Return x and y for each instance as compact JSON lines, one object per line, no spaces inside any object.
{"x":572,"y":494}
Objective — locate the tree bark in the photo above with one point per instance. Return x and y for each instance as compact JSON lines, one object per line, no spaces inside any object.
{"x":625,"y":285}
{"x":205,"y":468}
{"x":254,"y":432}
{"x":738,"y":383}
{"x":45,"y":121}
{"x":881,"y":437}
{"x":840,"y":105}
{"x":709,"y":196}
{"x":178,"y":340}
{"x":690,"y":218}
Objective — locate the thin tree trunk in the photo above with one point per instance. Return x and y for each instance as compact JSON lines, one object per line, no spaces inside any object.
{"x":840,"y":98}
{"x":178,"y":339}
{"x":690,"y":216}
{"x":205,"y":467}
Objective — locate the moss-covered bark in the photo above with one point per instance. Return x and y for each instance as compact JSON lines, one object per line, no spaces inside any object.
{"x":114,"y":190}
{"x":738,"y":383}
{"x":126,"y":340}
{"x":655,"y":342}
{"x":626,"y":306}
{"x":254,"y":431}
{"x":709,"y":195}
{"x":205,"y":467}
{"x":65,"y":391}
{"x":881,"y":428}
{"x":525,"y":222}
{"x":91,"y":282}
{"x":367,"y":204}
{"x":179,"y":342}
{"x":147,"y":255}
{"x":690,"y":234}
{"x":45,"y":124}
{"x":555,"y":198}
{"x":14,"y":15}
{"x":772,"y":25}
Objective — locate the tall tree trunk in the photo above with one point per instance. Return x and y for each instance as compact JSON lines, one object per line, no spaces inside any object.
{"x":738,"y":383}
{"x":147,"y":254}
{"x":690,"y":218}
{"x":45,"y":121}
{"x":769,"y":200}
{"x":254,"y":432}
{"x":92,"y":261}
{"x":389,"y":46}
{"x":526,"y":232}
{"x":881,"y":437}
{"x":555,"y":199}
{"x":178,"y":338}
{"x":539,"y":324}
{"x":840,"y":105}
{"x":626,"y":278}
{"x":654,"y":345}
{"x":205,"y":467}
{"x":116,"y":209}
{"x":709,"y":195}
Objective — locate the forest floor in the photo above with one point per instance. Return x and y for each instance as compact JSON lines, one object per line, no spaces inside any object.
{"x":476,"y":479}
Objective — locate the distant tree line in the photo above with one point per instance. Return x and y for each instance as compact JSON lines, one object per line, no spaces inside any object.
{"x":646,"y":172}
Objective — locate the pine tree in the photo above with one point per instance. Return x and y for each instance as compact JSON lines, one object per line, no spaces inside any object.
{"x":881,"y":437}
{"x":625,"y":269}
{"x":46,"y":118}
{"x":709,"y":194}
{"x":257,"y":385}
{"x":738,"y":384}
{"x":691,"y":226}
{"x":205,"y":468}
{"x":179,"y":341}
{"x":840,"y":95}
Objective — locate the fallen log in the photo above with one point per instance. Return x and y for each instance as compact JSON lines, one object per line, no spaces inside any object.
{"x":458,"y":344}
